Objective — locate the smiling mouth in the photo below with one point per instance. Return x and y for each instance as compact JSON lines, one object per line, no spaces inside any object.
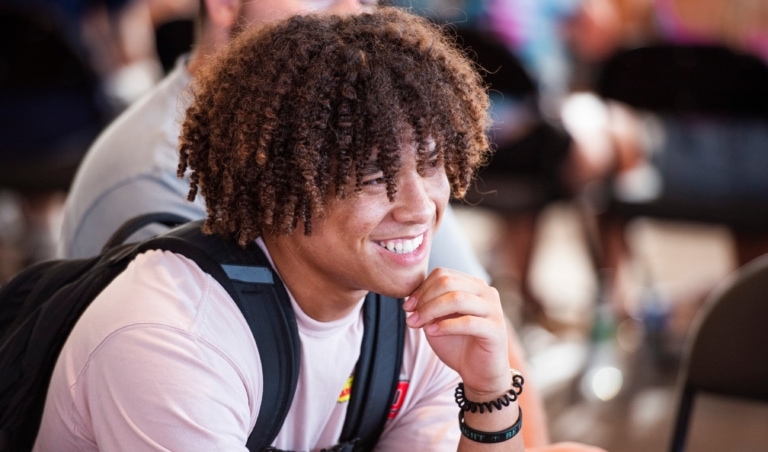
{"x":402,"y":246}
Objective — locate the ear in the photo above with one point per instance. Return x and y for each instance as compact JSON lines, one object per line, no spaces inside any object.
{"x":222,"y":13}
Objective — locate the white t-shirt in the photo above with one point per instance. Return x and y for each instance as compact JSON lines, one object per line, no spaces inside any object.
{"x":164,"y":360}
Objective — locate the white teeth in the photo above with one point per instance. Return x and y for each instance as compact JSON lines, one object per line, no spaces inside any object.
{"x":403,"y":246}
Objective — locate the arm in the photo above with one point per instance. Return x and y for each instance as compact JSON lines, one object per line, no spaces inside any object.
{"x":452,"y":249}
{"x":465,"y":326}
{"x":566,"y":447}
{"x":121,"y":37}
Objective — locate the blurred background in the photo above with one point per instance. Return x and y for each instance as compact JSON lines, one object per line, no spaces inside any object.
{"x":628,"y":180}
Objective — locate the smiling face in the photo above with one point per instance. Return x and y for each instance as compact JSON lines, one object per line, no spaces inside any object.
{"x":365,"y":242}
{"x":351,"y":131}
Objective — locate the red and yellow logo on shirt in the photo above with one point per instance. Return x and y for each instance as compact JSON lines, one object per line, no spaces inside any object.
{"x":397,"y":402}
{"x":346,"y":391}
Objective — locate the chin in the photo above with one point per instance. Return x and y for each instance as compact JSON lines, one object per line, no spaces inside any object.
{"x":404,"y":287}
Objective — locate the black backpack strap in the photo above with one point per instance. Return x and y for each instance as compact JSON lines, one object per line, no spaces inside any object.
{"x":137,"y":223}
{"x":251,"y":282}
{"x":377,"y":373}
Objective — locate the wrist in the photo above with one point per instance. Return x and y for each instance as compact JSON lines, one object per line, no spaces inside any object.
{"x":488,"y":394}
{"x":473,"y":401}
{"x":494,"y":380}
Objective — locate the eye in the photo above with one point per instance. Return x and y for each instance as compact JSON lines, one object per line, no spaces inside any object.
{"x":374,"y":179}
{"x":433,"y":162}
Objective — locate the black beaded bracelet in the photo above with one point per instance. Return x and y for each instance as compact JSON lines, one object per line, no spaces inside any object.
{"x":491,"y":437}
{"x":505,"y":400}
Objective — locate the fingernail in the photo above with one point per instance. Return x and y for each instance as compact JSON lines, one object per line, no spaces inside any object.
{"x":410,"y":302}
{"x":412,"y":319}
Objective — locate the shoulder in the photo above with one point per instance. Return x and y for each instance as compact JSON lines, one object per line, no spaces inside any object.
{"x":166,"y":288}
{"x":166,"y":327}
{"x":149,"y":126}
{"x":161,"y":301}
{"x":452,"y":248}
{"x":129,"y":170}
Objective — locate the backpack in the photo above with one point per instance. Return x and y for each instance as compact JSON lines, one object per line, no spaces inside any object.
{"x":40,"y":306}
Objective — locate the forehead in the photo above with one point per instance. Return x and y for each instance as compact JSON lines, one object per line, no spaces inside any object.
{"x":406,"y":149}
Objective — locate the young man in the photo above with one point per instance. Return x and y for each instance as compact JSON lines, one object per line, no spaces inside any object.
{"x":339,"y":162}
{"x":131,"y":168}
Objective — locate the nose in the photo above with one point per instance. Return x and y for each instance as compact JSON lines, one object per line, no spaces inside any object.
{"x":414,"y":201}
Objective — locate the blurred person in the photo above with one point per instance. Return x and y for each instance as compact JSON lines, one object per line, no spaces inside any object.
{"x":530,"y":29}
{"x":131,"y":169}
{"x":117,"y":38}
{"x":527,"y":172}
{"x":603,"y":27}
{"x":126,"y":50}
{"x":598,"y":28}
{"x":739,"y":24}
{"x":534,"y":31}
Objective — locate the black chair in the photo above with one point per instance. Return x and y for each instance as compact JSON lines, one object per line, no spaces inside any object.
{"x":727,"y":353}
{"x":680,"y":81}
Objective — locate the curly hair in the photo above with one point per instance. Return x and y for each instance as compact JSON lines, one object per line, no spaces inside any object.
{"x":292,"y":113}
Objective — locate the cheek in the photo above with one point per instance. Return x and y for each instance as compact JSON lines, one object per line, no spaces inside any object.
{"x":359,"y":216}
{"x":441,"y":191}
{"x":441,"y":195}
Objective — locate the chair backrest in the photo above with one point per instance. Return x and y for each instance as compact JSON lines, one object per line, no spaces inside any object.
{"x":523,"y":174}
{"x":684,"y":82}
{"x":727,"y":353}
{"x":676,"y":78}
{"x":505,"y":71}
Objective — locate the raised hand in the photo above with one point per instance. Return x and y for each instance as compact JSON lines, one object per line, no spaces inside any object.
{"x":465,"y":326}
